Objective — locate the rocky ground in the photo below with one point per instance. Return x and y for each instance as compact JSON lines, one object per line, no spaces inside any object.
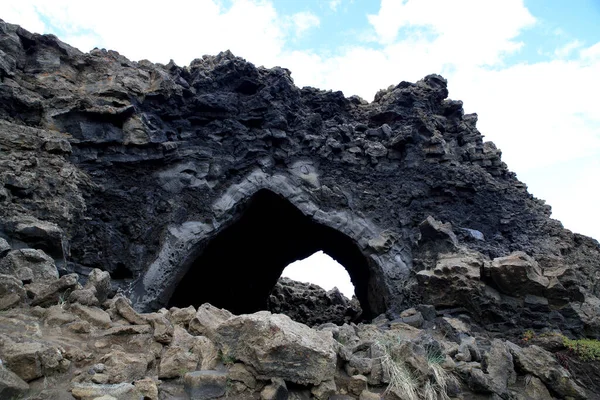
{"x":134,"y":195}
{"x":62,"y":340}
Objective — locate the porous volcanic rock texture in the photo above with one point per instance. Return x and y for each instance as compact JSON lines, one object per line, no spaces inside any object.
{"x":201,"y":183}
{"x":311,"y":304}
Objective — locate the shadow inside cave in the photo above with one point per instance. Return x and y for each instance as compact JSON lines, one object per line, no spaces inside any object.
{"x":239,"y":267}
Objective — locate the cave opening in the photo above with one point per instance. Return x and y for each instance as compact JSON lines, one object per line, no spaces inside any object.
{"x":322,"y":270}
{"x":240,"y":266}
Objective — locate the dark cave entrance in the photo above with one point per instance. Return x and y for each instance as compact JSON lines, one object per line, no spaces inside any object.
{"x":239,"y":267}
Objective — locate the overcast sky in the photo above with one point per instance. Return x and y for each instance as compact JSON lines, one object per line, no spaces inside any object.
{"x":529,"y":69}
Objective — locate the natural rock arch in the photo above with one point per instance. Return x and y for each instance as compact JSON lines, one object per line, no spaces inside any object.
{"x":239,"y":266}
{"x":268,"y":219}
{"x":134,"y":167}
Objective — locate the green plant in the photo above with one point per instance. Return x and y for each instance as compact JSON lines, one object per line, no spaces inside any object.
{"x":528,"y":335}
{"x":226,"y":359}
{"x":63,"y":298}
{"x":585,"y":349}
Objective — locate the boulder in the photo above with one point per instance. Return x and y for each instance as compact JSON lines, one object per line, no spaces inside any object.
{"x":454,"y":281}
{"x":11,"y":386}
{"x":357,"y":384}
{"x":147,"y":388}
{"x":93,"y":315}
{"x":207,"y":319}
{"x":538,"y":362}
{"x":40,"y":234}
{"x":12,"y":292}
{"x":368,"y":395}
{"x":531,"y":388}
{"x":324,"y":390}
{"x":182,"y":316}
{"x":518,"y":274}
{"x":32,"y":360}
{"x":120,"y":391}
{"x":186,"y":353}
{"x":54,"y":292}
{"x":86,"y":297}
{"x":31,"y":263}
{"x":124,"y":367}
{"x":203,"y":385}
{"x":498,"y":363}
{"x":239,"y":372}
{"x":58,"y":316}
{"x":124,"y":309}
{"x":4,"y":247}
{"x":99,"y":283}
{"x":163,"y":329}
{"x":277,"y":347}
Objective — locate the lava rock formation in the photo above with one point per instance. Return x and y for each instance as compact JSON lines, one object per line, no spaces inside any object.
{"x":202,"y":183}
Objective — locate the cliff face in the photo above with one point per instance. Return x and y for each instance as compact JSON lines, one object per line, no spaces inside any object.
{"x":201,"y":183}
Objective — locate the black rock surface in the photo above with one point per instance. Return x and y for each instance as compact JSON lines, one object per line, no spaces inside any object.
{"x":202,"y":183}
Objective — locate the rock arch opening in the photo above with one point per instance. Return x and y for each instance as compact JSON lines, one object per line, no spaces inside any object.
{"x":239,"y":267}
{"x":322,"y":270}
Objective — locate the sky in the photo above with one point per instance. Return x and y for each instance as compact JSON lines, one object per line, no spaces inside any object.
{"x":530,"y":69}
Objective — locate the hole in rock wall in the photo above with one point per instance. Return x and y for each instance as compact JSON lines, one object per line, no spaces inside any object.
{"x":239,"y":268}
{"x":316,"y":290}
{"x":322,"y":270}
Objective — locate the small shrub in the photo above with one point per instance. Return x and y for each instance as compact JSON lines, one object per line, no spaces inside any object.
{"x":528,"y":335}
{"x":402,"y":381}
{"x":226,"y":358}
{"x":584,"y":349}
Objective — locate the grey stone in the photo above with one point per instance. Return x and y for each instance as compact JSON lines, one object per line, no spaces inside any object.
{"x":276,"y":346}
{"x":125,"y":310}
{"x":538,"y":362}
{"x":498,"y":363}
{"x":208,"y":319}
{"x":41,"y":265}
{"x":324,"y":390}
{"x":93,"y":315}
{"x":518,"y":274}
{"x":121,"y":391}
{"x":357,"y":384}
{"x":202,"y":385}
{"x":11,"y":386}
{"x":4,"y":247}
{"x":277,"y":390}
{"x":12,"y":292}
{"x":99,"y":282}
{"x":54,"y":292}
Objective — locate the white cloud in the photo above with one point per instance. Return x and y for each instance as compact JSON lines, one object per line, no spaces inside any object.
{"x":572,"y":187}
{"x":23,"y":13}
{"x":567,"y":49}
{"x":303,"y":21}
{"x":591,"y":53}
{"x":181,"y":31}
{"x":334,"y":4}
{"x":479,"y":30}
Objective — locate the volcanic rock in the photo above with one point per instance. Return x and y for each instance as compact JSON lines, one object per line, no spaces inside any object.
{"x":192,"y":188}
{"x":312,"y":305}
{"x":276,"y":346}
{"x":164,"y":174}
